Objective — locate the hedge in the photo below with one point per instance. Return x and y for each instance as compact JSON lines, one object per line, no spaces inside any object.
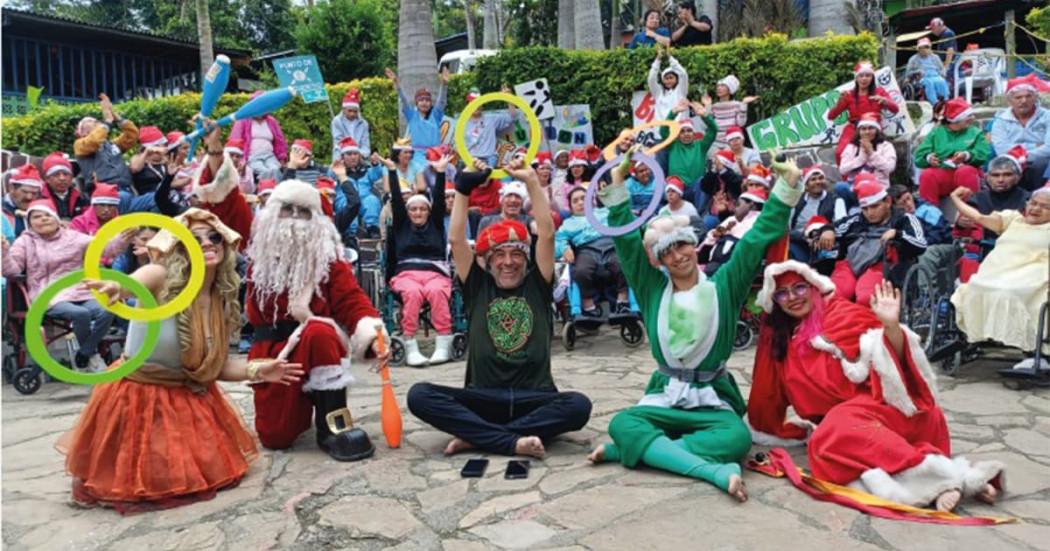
{"x":781,"y":72}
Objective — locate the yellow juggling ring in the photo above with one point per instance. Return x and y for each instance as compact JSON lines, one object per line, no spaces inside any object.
{"x":93,"y":257}
{"x":464,"y":116}
{"x":674,"y":128}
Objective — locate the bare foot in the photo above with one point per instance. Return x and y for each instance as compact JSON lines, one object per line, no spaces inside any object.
{"x":948,"y":500}
{"x":988,"y":495}
{"x":737,"y":488}
{"x":531,"y":446}
{"x":598,"y":455}
{"x":458,"y":445}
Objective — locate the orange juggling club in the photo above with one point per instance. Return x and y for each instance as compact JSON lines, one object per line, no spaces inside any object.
{"x":390,"y":413}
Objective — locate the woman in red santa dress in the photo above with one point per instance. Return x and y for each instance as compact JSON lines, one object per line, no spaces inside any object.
{"x":863,"y":378}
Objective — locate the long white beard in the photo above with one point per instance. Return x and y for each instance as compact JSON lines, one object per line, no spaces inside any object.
{"x":290,"y":255}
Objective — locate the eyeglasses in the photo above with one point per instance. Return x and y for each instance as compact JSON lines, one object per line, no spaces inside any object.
{"x":213,"y":237}
{"x":799,"y":290}
{"x":292,"y":211}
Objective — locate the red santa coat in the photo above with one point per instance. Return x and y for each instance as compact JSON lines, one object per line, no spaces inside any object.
{"x":856,"y":105}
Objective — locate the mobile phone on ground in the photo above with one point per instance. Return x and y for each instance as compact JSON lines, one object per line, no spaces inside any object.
{"x":517,"y":469}
{"x":474,"y":468}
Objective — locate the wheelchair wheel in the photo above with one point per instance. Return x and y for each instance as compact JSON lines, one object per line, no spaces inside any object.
{"x":568,"y":335}
{"x":10,"y":367}
{"x":459,"y":346}
{"x":397,"y":351}
{"x":632,"y":334}
{"x":950,"y":365}
{"x":919,"y":298}
{"x":28,"y":380}
{"x":745,"y":335}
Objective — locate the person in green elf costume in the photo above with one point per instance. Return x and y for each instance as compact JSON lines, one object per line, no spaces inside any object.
{"x":689,"y":420}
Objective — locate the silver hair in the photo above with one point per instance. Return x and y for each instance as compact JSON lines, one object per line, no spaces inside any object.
{"x":1003,"y":161}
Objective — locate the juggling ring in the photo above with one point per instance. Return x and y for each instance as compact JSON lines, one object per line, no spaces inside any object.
{"x":461,"y":129}
{"x":93,"y":256}
{"x":38,"y":350}
{"x":610,"y":150}
{"x":654,"y":203}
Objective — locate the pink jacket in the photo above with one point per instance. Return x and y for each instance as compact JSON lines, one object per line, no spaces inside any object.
{"x":45,"y":260}
{"x":880,"y":163}
{"x":243,"y":130}
{"x":87,"y":223}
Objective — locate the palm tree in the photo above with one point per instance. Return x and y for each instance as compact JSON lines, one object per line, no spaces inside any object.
{"x":566,"y":25}
{"x":204,"y":35}
{"x":587,"y":25}
{"x":829,"y":15}
{"x":416,"y":57}
{"x":490,"y":36}
{"x":615,"y":31}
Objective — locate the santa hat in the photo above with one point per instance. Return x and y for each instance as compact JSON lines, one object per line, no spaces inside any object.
{"x":728,"y":159}
{"x":436,"y":152}
{"x":105,"y":194}
{"x":863,"y":67}
{"x":577,"y":157}
{"x":815,"y":222}
{"x":265,"y":187}
{"x":669,"y":71}
{"x":325,"y":184}
{"x":473,"y":94}
{"x":757,"y":196}
{"x":664,"y":232}
{"x":957,"y":110}
{"x":594,"y":154}
{"x":1016,"y":155}
{"x":760,"y":175}
{"x":422,"y":93}
{"x":686,"y":123}
{"x":352,"y":99}
{"x":734,"y":132}
{"x":151,"y":136}
{"x":503,"y":234}
{"x":402,"y":144}
{"x":28,"y":175}
{"x":173,"y":137}
{"x":1027,"y":83}
{"x":674,"y":183}
{"x":520,"y":153}
{"x":924,"y":42}
{"x":731,"y":82}
{"x":764,"y":300}
{"x":42,"y":205}
{"x":560,"y":152}
{"x":55,"y":162}
{"x":868,"y":191}
{"x":348,"y":145}
{"x":870,"y":119}
{"x":420,"y":198}
{"x":812,"y":170}
{"x":935,"y":22}
{"x":305,"y":144}
{"x":543,"y":158}
{"x":513,"y":187}
{"x":450,"y":187}
{"x":298,"y":193}
{"x":234,"y":146}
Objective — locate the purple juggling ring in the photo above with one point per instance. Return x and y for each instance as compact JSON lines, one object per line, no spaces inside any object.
{"x":658,"y":193}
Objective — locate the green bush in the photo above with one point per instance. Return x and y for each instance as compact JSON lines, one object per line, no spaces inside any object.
{"x":783,"y":73}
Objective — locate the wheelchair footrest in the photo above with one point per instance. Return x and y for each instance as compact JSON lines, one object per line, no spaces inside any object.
{"x":945,"y":350}
{"x":587,"y":323}
{"x":623,"y":319}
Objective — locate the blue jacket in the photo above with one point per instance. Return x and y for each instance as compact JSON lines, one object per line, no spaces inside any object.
{"x":577,"y":231}
{"x":1035,"y":136}
{"x":425,"y":131}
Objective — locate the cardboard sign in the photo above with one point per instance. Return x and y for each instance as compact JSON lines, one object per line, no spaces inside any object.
{"x":304,"y":74}
{"x":643,"y":111}
{"x":538,"y":94}
{"x":569,"y":127}
{"x":806,"y":124}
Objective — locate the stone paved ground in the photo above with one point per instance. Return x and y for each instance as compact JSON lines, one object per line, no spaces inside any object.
{"x":414,"y":498}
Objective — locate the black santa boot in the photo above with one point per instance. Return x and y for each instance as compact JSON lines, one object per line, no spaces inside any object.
{"x":336,"y":434}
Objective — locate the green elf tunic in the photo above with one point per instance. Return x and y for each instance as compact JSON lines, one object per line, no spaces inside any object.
{"x":691,"y":335}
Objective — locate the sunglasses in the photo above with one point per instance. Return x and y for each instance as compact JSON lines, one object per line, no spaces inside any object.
{"x":799,"y":290}
{"x":213,"y":237}
{"x":293,"y":211}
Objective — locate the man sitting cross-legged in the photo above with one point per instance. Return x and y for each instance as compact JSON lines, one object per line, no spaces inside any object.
{"x":509,"y":404}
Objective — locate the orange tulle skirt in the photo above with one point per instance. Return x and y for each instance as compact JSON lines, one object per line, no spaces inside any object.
{"x":143,"y":446}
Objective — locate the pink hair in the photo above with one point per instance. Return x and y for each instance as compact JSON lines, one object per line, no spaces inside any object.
{"x":813,"y":324}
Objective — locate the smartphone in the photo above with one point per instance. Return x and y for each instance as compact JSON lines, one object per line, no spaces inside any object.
{"x":474,"y":468}
{"x":517,"y":469}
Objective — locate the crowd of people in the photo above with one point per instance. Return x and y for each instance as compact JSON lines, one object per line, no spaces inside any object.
{"x":276,"y":226}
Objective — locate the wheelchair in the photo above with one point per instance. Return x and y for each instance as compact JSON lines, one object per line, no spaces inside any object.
{"x":28,"y":378}
{"x":570,"y":310}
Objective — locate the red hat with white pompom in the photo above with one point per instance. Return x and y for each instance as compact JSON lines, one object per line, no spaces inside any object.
{"x":734,"y":132}
{"x":352,"y":100}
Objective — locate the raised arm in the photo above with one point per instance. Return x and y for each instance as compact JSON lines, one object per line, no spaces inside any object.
{"x":992,"y":222}
{"x":466,"y":181}
{"x":655,"y":88}
{"x":683,"y":78}
{"x":541,"y":212}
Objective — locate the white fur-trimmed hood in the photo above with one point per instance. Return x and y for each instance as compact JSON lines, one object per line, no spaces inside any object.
{"x":769,"y":285}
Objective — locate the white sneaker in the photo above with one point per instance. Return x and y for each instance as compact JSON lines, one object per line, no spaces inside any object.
{"x":96,"y":364}
{"x":412,"y":356}
{"x":442,"y":349}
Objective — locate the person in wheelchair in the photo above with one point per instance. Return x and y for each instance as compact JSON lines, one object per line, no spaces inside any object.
{"x":1002,"y":191}
{"x":818,"y":201}
{"x":417,"y":266}
{"x":934,"y":225}
{"x":1002,"y":301}
{"x":721,"y":240}
{"x":931,"y":70}
{"x":594,"y":261}
{"x":47,"y":251}
{"x":863,"y":241}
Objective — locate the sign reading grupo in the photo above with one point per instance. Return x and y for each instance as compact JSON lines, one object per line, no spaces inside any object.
{"x":806,"y":124}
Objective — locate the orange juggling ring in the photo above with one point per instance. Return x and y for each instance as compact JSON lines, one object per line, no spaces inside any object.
{"x":674,"y":128}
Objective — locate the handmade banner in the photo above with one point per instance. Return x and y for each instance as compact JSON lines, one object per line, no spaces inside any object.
{"x":538,"y":94}
{"x":806,"y":125}
{"x":643,"y":111}
{"x":570,"y":128}
{"x":304,"y":74}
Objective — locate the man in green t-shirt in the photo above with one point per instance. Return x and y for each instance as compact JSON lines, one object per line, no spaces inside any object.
{"x":509,"y":404}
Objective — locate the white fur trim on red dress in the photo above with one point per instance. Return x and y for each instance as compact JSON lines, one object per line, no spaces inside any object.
{"x":769,"y":283}
{"x":329,"y":377}
{"x":222,"y":183}
{"x":765,"y":439}
{"x":920,"y":485}
{"x":364,"y":334}
{"x":299,"y":193}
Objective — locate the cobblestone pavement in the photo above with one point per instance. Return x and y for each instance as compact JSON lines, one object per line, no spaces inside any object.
{"x":414,"y":498}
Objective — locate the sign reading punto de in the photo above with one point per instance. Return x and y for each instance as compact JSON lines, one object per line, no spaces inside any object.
{"x":806,"y":124}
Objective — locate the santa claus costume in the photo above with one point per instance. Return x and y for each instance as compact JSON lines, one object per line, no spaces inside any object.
{"x":856,"y":103}
{"x":875,"y":402}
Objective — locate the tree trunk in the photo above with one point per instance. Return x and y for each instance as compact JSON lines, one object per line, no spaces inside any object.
{"x":566,"y":25}
{"x":710,"y":9}
{"x":416,"y":57}
{"x":829,"y":15}
{"x":490,"y":38}
{"x":587,"y":17}
{"x":615,"y":32}
{"x":204,"y":36}
{"x":471,"y":17}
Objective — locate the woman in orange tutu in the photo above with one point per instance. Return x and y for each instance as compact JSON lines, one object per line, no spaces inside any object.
{"x":166,"y":435}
